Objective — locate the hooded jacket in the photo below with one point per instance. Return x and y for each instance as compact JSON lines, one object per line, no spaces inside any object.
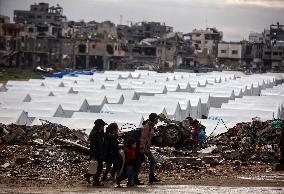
{"x":147,"y":133}
{"x":97,"y":146}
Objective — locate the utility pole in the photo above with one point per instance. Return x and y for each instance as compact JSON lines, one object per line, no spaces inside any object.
{"x":121,"y":19}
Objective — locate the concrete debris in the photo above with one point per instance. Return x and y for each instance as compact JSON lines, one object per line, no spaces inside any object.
{"x":45,"y":134}
{"x":53,"y":152}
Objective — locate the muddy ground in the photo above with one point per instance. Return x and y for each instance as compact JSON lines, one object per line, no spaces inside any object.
{"x":226,"y":177}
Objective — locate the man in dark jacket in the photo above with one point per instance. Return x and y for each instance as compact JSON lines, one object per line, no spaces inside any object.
{"x":97,"y":150}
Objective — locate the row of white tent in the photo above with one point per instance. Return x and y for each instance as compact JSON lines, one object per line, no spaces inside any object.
{"x":123,"y":97}
{"x":265,"y":107}
{"x":275,"y":91}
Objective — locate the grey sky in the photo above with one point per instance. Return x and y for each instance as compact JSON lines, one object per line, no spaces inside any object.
{"x":236,"y":18}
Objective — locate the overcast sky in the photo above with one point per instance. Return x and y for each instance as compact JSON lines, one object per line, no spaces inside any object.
{"x":236,"y":18}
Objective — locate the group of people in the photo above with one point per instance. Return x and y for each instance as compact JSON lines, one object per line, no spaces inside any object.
{"x":121,"y":162}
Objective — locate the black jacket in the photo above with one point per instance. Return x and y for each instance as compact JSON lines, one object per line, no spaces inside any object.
{"x":112,"y":148}
{"x":97,"y":146}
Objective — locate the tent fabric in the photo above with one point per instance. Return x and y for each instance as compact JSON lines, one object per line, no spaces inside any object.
{"x":122,"y":117}
{"x":204,"y":97}
{"x":195,"y":102}
{"x":145,"y":111}
{"x":3,"y":88}
{"x":142,"y":92}
{"x":184,"y":104}
{"x":172,"y":107}
{"x":9,"y":116}
{"x":216,"y":127}
{"x":239,"y":114}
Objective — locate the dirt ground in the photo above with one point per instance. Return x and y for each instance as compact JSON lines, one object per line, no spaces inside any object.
{"x":155,"y":189}
{"x":181,"y":181}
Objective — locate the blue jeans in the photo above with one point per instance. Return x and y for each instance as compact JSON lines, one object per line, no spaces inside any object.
{"x":130,"y":172}
{"x":152,"y":162}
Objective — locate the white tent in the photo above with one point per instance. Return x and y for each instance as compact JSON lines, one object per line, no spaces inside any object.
{"x":3,"y":88}
{"x":262,"y":107}
{"x":172,"y":107}
{"x":69,"y":104}
{"x":33,"y":94}
{"x":127,"y":94}
{"x":87,"y":88}
{"x":135,"y":75}
{"x":10,"y":96}
{"x":150,"y":91}
{"x":145,"y":111}
{"x":267,"y":99}
{"x":111,"y":85}
{"x":184,"y":85}
{"x":184,"y":104}
{"x":204,"y":97}
{"x":173,"y":87}
{"x":195,"y":102}
{"x":112,"y":98}
{"x":9,"y":116}
{"x":36,"y":109}
{"x":218,"y":96}
{"x":96,"y":105}
{"x":13,"y":84}
{"x":238,"y":114}
{"x":275,"y":91}
{"x":121,"y":118}
{"x":54,"y":90}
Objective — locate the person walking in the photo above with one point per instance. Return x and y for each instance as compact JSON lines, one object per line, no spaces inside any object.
{"x":97,"y":150}
{"x":112,"y":151}
{"x":147,"y":133}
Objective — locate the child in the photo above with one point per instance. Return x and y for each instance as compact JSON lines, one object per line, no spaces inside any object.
{"x":128,"y":166}
{"x":112,"y":150}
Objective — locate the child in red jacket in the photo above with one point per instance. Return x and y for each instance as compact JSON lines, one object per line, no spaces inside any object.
{"x":128,"y":166}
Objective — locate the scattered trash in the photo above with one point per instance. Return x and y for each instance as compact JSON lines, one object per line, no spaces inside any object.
{"x":52,"y":152}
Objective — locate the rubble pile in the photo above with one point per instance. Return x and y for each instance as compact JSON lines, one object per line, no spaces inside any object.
{"x":240,"y":148}
{"x":41,"y":163}
{"x":256,"y":142}
{"x":47,"y":134}
{"x":52,"y":152}
{"x":49,"y":152}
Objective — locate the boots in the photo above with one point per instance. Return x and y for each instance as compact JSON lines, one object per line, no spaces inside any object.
{"x":137,"y":181}
{"x":88,"y":177}
{"x":104,"y":178}
{"x":97,"y":182}
{"x":130,"y":183}
{"x":153,"y":179}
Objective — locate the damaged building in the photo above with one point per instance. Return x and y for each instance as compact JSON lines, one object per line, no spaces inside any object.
{"x":34,"y":39}
{"x":135,"y":33}
{"x":169,"y":51}
{"x":147,"y":44}
{"x":201,"y":48}
{"x":273,"y":55}
{"x":42,"y":37}
{"x":263,"y":52}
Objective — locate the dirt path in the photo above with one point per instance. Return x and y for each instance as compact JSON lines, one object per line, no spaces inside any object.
{"x":165,"y":189}
{"x":272,"y":182}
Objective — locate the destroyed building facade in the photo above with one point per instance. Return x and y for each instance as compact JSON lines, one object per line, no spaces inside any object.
{"x":42,"y":36}
{"x":262,"y":52}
